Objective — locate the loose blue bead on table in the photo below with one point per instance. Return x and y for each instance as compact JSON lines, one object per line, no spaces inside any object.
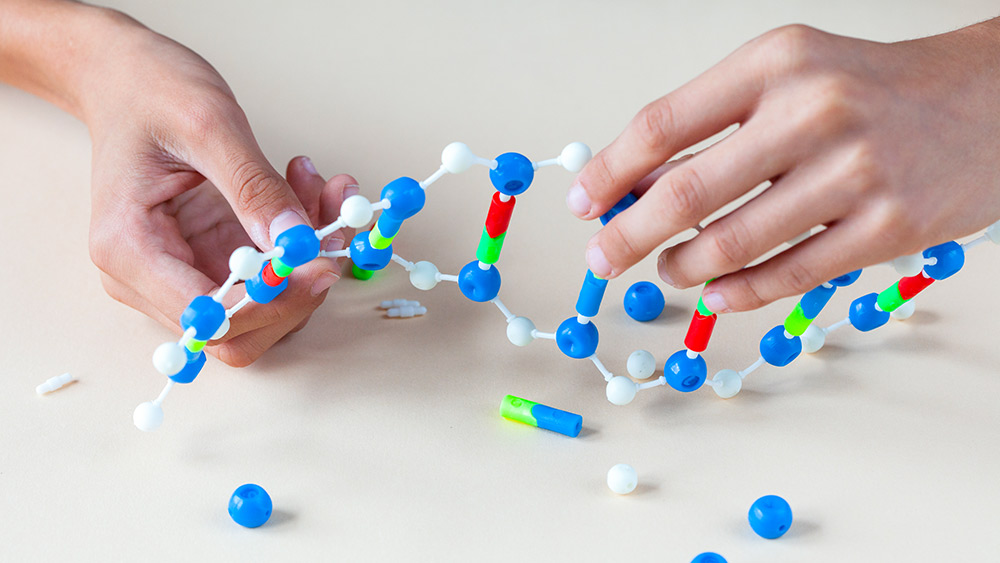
{"x":250,"y":506}
{"x":478,"y":284}
{"x":300,"y":245}
{"x":577,"y":340}
{"x":950,"y":259}
{"x":205,"y":314}
{"x":366,"y":256}
{"x":709,"y":557}
{"x":770,"y":516}
{"x":644,"y":301}
{"x":513,"y":174}
{"x":685,"y":373}
{"x":864,"y":315}
{"x":779,"y":350}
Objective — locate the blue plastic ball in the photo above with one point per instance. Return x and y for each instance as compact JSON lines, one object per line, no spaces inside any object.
{"x":406,"y":198}
{"x":366,"y":256}
{"x":846,"y":279}
{"x":577,"y":340}
{"x":863,"y":314}
{"x":191,"y":369}
{"x":478,"y":284}
{"x":684,"y":373}
{"x":260,"y":292}
{"x":513,"y":174}
{"x":770,"y":516}
{"x":205,"y":314}
{"x":644,"y":301}
{"x":709,"y":557}
{"x":250,"y":506}
{"x":623,"y":204}
{"x":950,"y":259}
{"x":777,"y":349}
{"x":300,"y":244}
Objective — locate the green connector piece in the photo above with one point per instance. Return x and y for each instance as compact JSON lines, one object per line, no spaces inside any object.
{"x":516,"y":408}
{"x":796,"y":322}
{"x":281,"y":269}
{"x":702,"y":309}
{"x":360,"y":274}
{"x":890,"y":299}
{"x":196,"y":346}
{"x":489,"y":248}
{"x":377,"y":240}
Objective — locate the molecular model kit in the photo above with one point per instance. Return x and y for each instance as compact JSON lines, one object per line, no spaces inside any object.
{"x":511,"y":174}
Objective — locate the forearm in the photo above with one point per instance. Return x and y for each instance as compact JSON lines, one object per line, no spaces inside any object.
{"x":52,"y":48}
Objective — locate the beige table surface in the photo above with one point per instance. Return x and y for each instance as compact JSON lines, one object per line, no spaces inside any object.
{"x":380,"y":439}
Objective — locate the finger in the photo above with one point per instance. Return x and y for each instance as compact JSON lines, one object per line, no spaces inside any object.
{"x":307,"y":184}
{"x":792,"y":205}
{"x":723,"y":95}
{"x":244,"y":349}
{"x":688,"y":193}
{"x":843,"y":247}
{"x":642,"y":186}
{"x":128,"y":296}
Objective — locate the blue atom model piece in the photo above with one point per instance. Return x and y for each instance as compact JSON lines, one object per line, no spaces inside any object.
{"x":644,"y":301}
{"x":250,"y":506}
{"x":709,"y":557}
{"x":770,"y":516}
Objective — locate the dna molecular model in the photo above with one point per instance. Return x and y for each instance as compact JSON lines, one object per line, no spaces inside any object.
{"x":265,"y":277}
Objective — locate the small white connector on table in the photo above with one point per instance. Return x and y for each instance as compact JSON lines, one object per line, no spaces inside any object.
{"x":54,"y":383}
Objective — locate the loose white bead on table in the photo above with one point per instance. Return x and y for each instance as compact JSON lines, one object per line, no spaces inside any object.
{"x":169,"y":358}
{"x":457,"y":157}
{"x":904,"y":311}
{"x":909,"y":265}
{"x":356,"y":211}
{"x":245,"y":262}
{"x":424,"y":275}
{"x":641,"y":364}
{"x":813,"y":339}
{"x":575,"y":156}
{"x":621,"y":390}
{"x":622,"y":479}
{"x":53,"y":383}
{"x":147,"y":416}
{"x":727,"y":383}
{"x":519,"y":331}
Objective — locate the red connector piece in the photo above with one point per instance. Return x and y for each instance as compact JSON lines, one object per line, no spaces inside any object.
{"x":269,"y":277}
{"x":498,"y":218}
{"x":699,"y":332}
{"x":909,"y":287}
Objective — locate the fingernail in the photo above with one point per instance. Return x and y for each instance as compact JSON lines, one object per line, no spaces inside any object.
{"x":661,"y":267}
{"x":323,"y":283}
{"x":284,"y":221}
{"x":351,"y":189}
{"x":598,"y":262}
{"x":715,"y":302}
{"x":309,"y":166}
{"x":333,"y":243}
{"x":578,"y":201}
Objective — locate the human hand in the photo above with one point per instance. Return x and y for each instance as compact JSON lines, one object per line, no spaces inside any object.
{"x":890,"y":146}
{"x":178,"y":183}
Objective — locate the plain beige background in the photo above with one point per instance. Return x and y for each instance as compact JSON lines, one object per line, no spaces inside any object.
{"x":379,"y":439}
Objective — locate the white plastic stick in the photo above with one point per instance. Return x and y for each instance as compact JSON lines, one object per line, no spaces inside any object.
{"x":546,"y":335}
{"x":187,"y":337}
{"x":749,"y":369}
{"x":654,"y":383}
{"x":53,"y":383}
{"x":544,"y":163}
{"x":487,"y":162}
{"x":582,"y":319}
{"x":230,"y":281}
{"x":406,"y":264}
{"x":163,"y":394}
{"x":335,"y":253}
{"x":331,"y":228}
{"x":600,"y":366}
{"x":836,"y":325}
{"x":503,"y":308}
{"x":447,"y":277}
{"x":974,"y":242}
{"x":434,"y":177}
{"x":276,"y":252}
{"x":242,"y":303}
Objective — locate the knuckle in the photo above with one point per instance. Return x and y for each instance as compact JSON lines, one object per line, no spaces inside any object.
{"x":746,"y":296}
{"x":622,"y":245}
{"x":255,"y":187}
{"x":835,"y":104}
{"x":864,"y":167}
{"x":599,"y":176}
{"x":791,"y":48}
{"x":796,"y":278}
{"x":205,"y":114}
{"x":893,"y":226}
{"x":685,"y":197}
{"x":654,"y":123}
{"x":729,"y":244}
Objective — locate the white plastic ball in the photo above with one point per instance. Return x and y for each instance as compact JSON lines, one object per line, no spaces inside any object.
{"x":245,"y":262}
{"x":223,"y":329}
{"x":727,"y":383}
{"x":424,"y":275}
{"x":904,"y":311}
{"x":909,"y":265}
{"x":800,"y":238}
{"x":169,"y":358}
{"x":993,"y":233}
{"x":147,"y":416}
{"x":812,"y":339}
{"x":622,"y":479}
{"x":575,"y":156}
{"x":457,"y":157}
{"x":641,"y":364}
{"x":621,"y":390}
{"x":356,"y":211}
{"x":519,"y":331}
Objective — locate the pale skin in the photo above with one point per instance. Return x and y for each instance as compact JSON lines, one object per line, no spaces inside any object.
{"x":891,"y":147}
{"x":178,"y":179}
